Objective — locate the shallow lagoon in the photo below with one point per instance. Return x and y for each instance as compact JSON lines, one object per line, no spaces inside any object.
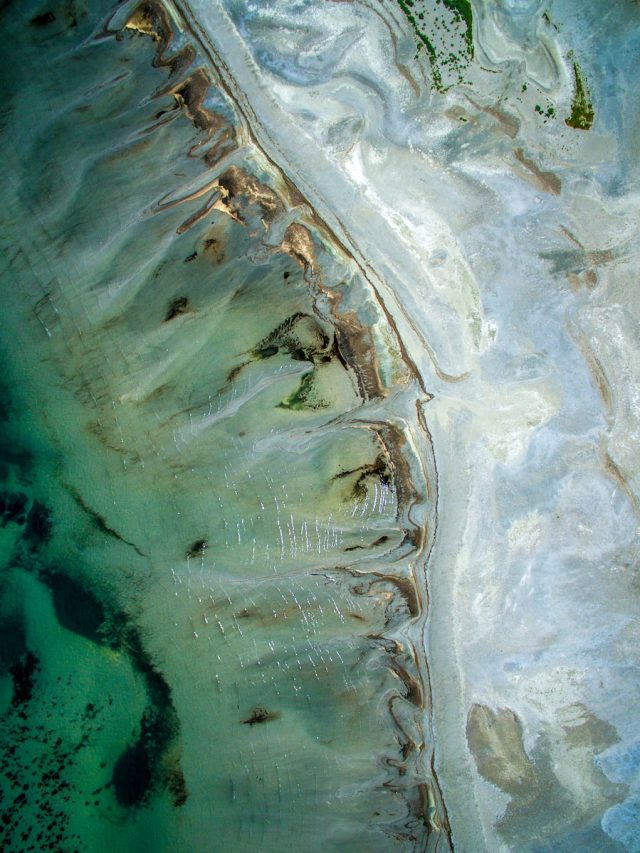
{"x":216,"y":612}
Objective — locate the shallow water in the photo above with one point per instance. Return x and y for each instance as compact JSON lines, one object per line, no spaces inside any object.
{"x":216,"y":614}
{"x":318,"y":427}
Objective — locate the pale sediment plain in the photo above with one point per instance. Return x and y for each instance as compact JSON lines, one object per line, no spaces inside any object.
{"x":320,"y":426}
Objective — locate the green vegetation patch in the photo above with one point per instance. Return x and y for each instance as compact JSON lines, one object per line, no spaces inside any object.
{"x":305,"y":396}
{"x":582,"y":114}
{"x":423,"y":41}
{"x":549,"y":112}
{"x":445,"y":29}
{"x":464,"y":13}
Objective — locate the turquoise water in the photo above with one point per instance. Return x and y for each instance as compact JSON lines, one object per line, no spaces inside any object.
{"x":212,"y":526}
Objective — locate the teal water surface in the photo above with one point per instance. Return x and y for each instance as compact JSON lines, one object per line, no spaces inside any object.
{"x":215,"y":508}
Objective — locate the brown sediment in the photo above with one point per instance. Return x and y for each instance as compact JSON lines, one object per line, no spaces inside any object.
{"x":495,"y":741}
{"x":247,"y":613}
{"x":510,"y":124}
{"x":235,"y":372}
{"x":389,"y":644}
{"x":427,"y":811}
{"x":589,"y":730}
{"x":190,"y":196}
{"x":99,"y":430}
{"x":190,"y":92}
{"x":412,"y":687}
{"x":392,"y":699}
{"x":571,"y":237}
{"x":601,"y":257}
{"x":164,"y":117}
{"x":587,"y":279}
{"x":357,"y":350}
{"x":298,"y":243}
{"x":180,"y":61}
{"x":590,"y":279}
{"x":547,"y":181}
{"x":210,"y":244}
{"x":240,"y":184}
{"x":407,"y":744}
{"x":158,"y":392}
{"x":614,"y":471}
{"x":405,"y":587}
{"x":266,"y":616}
{"x":356,"y":616}
{"x":415,"y":536}
{"x":408,"y":748}
{"x":151,"y":19}
{"x":393,"y":441}
{"x":597,"y":371}
{"x":398,"y":766}
{"x":431,"y":484}
{"x":210,"y":204}
{"x":409,"y":362}
{"x":353,"y":340}
{"x":177,"y":306}
{"x":381,"y":540}
{"x":223,"y":145}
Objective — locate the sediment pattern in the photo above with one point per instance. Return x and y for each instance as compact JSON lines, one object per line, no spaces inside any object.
{"x":219,"y":493}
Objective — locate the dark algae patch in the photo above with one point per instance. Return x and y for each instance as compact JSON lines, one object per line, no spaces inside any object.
{"x":42,"y":19}
{"x":582,"y":113}
{"x":132,"y":779}
{"x":301,"y":396}
{"x":13,"y":508}
{"x":37,"y":760}
{"x":152,"y":761}
{"x":100,"y":522}
{"x":77,"y":608}
{"x":13,"y":640}
{"x":260,"y":715}
{"x":38,"y":528}
{"x":23,"y":673}
{"x":142,"y":766}
{"x":196,"y":549}
{"x":378,"y":470}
